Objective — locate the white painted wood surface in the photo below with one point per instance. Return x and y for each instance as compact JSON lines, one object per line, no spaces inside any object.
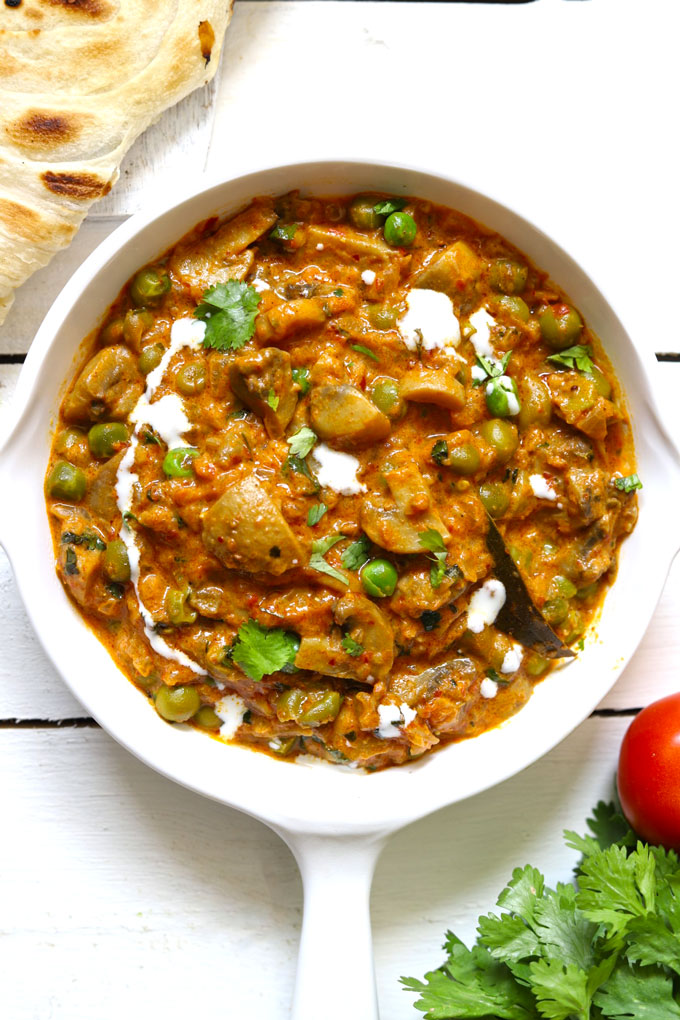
{"x":123,"y":894}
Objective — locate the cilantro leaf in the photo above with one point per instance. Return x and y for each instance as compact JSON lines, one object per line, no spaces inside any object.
{"x":430,"y":618}
{"x":562,"y":929}
{"x":364,"y":350}
{"x":260,"y":650}
{"x":507,"y":937}
{"x":433,"y":541}
{"x":633,"y":993}
{"x":493,"y":369}
{"x":228,"y":310}
{"x":650,"y":942}
{"x":574,"y":357}
{"x":389,"y":205}
{"x":522,"y":892}
{"x":315,"y":513}
{"x":628,"y":484}
{"x":351,"y":646}
{"x":614,"y":887}
{"x":284,"y":232}
{"x":272,"y":400}
{"x":356,"y":554}
{"x":440,"y":451}
{"x":561,"y":990}
{"x":302,"y":442}
{"x":319,"y":550}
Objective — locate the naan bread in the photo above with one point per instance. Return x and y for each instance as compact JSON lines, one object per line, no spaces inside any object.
{"x":79,"y":81}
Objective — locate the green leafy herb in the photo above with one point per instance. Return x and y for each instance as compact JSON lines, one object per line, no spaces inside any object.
{"x":352,"y":647}
{"x":284,"y":232}
{"x":115,"y":589}
{"x":150,"y":438}
{"x":319,"y":550}
{"x":364,"y":350}
{"x":356,"y":554}
{"x":574,"y":357}
{"x":430,"y":619}
{"x":607,"y":947}
{"x":272,"y":400}
{"x":228,"y":310}
{"x":434,"y":543}
{"x":497,"y":678}
{"x":71,"y":562}
{"x":493,"y":369}
{"x":440,"y":451}
{"x":87,"y":539}
{"x":338,"y":292}
{"x":260,"y":650}
{"x":301,"y":377}
{"x":628,"y":484}
{"x":302,"y":442}
{"x":389,"y":205}
{"x":315,"y":513}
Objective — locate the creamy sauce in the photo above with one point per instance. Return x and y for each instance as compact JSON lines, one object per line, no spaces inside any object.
{"x":512,"y":660}
{"x":485,"y":605}
{"x":392,"y":718}
{"x":368,"y":276}
{"x":488,"y":688}
{"x":541,"y":487}
{"x":430,"y":321}
{"x":230,"y":710}
{"x":482,"y":324}
{"x":337,"y":471}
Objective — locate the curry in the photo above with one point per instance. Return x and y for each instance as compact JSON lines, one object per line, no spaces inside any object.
{"x":273,"y":479}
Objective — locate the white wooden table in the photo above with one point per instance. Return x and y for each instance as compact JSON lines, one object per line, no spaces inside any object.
{"x":122,"y":894}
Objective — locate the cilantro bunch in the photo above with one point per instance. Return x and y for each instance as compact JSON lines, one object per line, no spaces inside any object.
{"x":606,"y":947}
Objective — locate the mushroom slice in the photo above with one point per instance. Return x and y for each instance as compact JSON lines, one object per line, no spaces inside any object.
{"x":263,"y":380}
{"x":433,"y":386}
{"x":108,"y":387}
{"x":368,"y":626}
{"x":245,"y":530}
{"x":458,"y":264}
{"x":577,"y":401}
{"x":347,"y":418}
{"x":398,"y":525}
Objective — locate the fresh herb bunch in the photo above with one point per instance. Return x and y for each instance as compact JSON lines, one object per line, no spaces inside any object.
{"x":606,"y":947}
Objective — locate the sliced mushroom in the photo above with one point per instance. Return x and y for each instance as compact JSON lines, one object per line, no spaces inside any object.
{"x":397,"y":525}
{"x":108,"y":387}
{"x":458,"y":264}
{"x":245,"y":530}
{"x":198,"y":269}
{"x":577,"y":401}
{"x":347,"y":418}
{"x":289,"y":318}
{"x":101,"y":494}
{"x":368,"y":626}
{"x":433,"y":386}
{"x":263,"y":380}
{"x":351,"y":241}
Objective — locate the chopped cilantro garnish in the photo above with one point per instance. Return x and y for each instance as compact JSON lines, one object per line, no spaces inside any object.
{"x":301,"y":377}
{"x":71,"y":562}
{"x":434,"y":543}
{"x":430,"y":619}
{"x":260,"y":650}
{"x":574,"y":357}
{"x":389,"y":205}
{"x":351,"y":646}
{"x":115,"y":589}
{"x":319,"y":550}
{"x":272,"y":400}
{"x":150,"y":438}
{"x":315,"y":513}
{"x":493,"y":369}
{"x":87,"y":539}
{"x":356,"y":554}
{"x":440,"y":451}
{"x":338,"y":292}
{"x":497,"y":678}
{"x":628,"y":484}
{"x":364,"y":350}
{"x":284,"y":232}
{"x":228,"y":310}
{"x":302,"y":442}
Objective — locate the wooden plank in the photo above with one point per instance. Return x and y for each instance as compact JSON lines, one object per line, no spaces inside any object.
{"x":152,"y":900}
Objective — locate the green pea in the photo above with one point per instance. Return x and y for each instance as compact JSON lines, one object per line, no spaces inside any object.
{"x":385,"y":396}
{"x":495,"y":497}
{"x":105,"y":438}
{"x":190,"y":378}
{"x":560,"y":326}
{"x":555,"y":611}
{"x":71,"y":441}
{"x":111,"y":332}
{"x":289,"y":704}
{"x":379,"y":578}
{"x":602,"y":384}
{"x":502,"y":436}
{"x":585,"y":593}
{"x":207,"y":718}
{"x":362,"y":213}
{"x":66,"y":482}
{"x":575,"y":626}
{"x":148,"y":287}
{"x":116,"y":561}
{"x":302,"y":378}
{"x":177,"y":462}
{"x":382,"y":316}
{"x":514,"y":306}
{"x":177,"y":704}
{"x":176,"y":607}
{"x":536,"y":402}
{"x":150,"y":358}
{"x":562,"y":586}
{"x":508,"y":276}
{"x":464,"y":459}
{"x":400,"y":230}
{"x":502,"y":397}
{"x":324,"y":710}
{"x":535,"y":664}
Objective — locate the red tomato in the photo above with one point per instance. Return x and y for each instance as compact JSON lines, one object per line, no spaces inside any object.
{"x":649,"y":773}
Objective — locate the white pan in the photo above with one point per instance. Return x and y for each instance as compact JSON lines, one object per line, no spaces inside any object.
{"x":335,"y":821}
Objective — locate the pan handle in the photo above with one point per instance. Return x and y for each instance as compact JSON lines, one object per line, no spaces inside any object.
{"x":335,"y":973}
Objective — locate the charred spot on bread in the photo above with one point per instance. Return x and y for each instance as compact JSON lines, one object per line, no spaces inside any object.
{"x":75,"y":185}
{"x":41,"y":130}
{"x":206,"y":37}
{"x":91,"y":8}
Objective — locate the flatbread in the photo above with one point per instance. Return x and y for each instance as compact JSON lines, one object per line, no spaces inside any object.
{"x":79,"y":82}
